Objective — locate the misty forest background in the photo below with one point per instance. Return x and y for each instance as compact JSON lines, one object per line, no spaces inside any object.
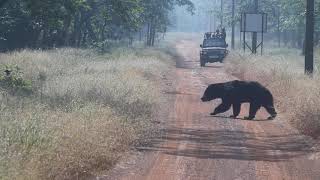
{"x":97,"y":23}
{"x":286,"y":19}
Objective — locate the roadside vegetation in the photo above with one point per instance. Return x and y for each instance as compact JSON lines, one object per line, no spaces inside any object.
{"x":68,"y":113}
{"x":73,"y":111}
{"x":282,"y":71}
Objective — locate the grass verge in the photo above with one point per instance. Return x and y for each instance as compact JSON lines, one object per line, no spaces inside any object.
{"x":84,"y":112}
{"x":296,"y":95}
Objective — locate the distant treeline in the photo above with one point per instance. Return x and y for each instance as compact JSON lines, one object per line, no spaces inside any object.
{"x":82,"y":23}
{"x":286,"y":18}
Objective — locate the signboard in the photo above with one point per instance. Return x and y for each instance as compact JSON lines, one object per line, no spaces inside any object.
{"x":254,"y":22}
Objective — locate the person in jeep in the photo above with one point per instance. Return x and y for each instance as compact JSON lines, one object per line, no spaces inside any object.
{"x":213,"y":49}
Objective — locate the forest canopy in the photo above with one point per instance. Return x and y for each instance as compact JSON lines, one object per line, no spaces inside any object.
{"x":80,"y":23}
{"x":84,"y":23}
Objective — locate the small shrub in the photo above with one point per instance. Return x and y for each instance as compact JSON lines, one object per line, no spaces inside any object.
{"x":12,"y":81}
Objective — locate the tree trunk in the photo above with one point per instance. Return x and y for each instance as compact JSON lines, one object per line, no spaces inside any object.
{"x":91,"y":32}
{"x":221,"y":13}
{"x":65,"y":34}
{"x":102,"y":30}
{"x":293,"y":39}
{"x":153,"y":36}
{"x":309,"y":37}
{"x":278,"y":24}
{"x":44,"y":38}
{"x":149,"y":34}
{"x":38,"y":43}
{"x":233,"y":25}
{"x":140,"y":35}
{"x":76,"y":30}
{"x":286,"y":37}
{"x":84,"y":38}
{"x":317,"y":38}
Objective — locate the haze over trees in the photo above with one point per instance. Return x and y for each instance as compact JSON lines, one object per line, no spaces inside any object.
{"x":82,"y":23}
{"x":286,"y":18}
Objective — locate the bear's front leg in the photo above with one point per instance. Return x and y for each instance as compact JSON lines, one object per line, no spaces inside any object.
{"x":221,"y":109}
{"x":236,"y":110}
{"x":254,"y":107}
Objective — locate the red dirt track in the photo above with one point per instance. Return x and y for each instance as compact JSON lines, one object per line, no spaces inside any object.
{"x":196,"y":146}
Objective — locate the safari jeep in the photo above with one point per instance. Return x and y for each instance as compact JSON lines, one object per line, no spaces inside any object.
{"x":213,"y":50}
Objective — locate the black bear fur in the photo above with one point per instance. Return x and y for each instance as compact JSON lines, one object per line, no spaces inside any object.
{"x":234,"y":93}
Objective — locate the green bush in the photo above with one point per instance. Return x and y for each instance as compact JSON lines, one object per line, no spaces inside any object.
{"x":11,"y":80}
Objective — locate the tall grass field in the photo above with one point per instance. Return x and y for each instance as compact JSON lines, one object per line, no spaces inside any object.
{"x":282,"y":71}
{"x":66,"y":113}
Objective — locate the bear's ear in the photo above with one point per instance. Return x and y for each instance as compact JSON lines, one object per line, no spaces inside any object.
{"x":204,"y":86}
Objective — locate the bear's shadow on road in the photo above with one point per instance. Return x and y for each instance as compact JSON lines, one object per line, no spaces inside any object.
{"x":228,"y":144}
{"x":243,"y":119}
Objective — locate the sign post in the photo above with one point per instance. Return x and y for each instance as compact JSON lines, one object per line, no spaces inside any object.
{"x":221,"y":13}
{"x":253,"y":23}
{"x":255,"y":34}
{"x":233,"y":24}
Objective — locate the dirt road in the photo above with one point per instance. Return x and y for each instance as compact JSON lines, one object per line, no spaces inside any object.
{"x":197,"y":146}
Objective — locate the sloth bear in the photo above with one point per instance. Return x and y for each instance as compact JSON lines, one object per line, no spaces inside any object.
{"x":236,"y":92}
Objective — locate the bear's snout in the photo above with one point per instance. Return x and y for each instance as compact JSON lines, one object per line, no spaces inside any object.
{"x":204,"y":99}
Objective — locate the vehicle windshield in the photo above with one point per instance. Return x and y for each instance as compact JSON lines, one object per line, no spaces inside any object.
{"x":213,"y":43}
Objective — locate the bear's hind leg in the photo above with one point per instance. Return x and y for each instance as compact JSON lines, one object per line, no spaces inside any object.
{"x":236,"y":110}
{"x":254,"y":107}
{"x":221,"y":109}
{"x":271,"y":111}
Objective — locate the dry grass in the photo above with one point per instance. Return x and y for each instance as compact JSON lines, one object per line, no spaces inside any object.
{"x":86,"y":111}
{"x":282,"y":71}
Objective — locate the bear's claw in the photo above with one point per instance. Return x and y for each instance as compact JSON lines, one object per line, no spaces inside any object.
{"x":212,"y":114}
{"x":271,"y":118}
